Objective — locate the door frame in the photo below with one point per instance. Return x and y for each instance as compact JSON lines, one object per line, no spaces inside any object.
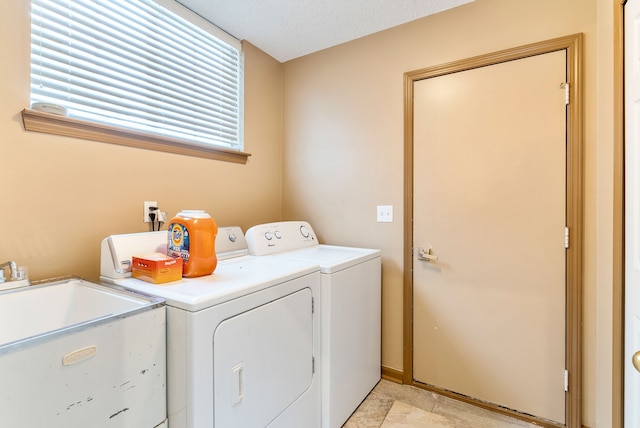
{"x":618,"y":216}
{"x":574,"y":211}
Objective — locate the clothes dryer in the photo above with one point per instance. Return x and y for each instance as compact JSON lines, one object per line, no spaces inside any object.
{"x":351,"y":311}
{"x":242,"y":342}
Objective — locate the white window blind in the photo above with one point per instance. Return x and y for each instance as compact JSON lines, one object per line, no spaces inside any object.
{"x":137,"y":65}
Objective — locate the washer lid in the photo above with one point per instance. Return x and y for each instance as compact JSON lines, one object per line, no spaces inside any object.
{"x":332,"y":258}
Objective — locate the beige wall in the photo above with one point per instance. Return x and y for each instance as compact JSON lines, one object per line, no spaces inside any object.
{"x":61,"y":196}
{"x":342,"y":156}
{"x":343,"y":146}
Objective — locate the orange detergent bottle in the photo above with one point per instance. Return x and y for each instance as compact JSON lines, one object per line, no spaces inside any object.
{"x":192,"y":236}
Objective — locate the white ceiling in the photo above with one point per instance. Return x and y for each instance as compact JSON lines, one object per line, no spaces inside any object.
{"x":287,"y":29}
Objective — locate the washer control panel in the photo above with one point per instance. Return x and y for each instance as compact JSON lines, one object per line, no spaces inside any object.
{"x":272,"y":238}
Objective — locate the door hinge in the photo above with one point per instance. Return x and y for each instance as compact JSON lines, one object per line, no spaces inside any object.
{"x":313,"y":305}
{"x":566,"y":86}
{"x":313,"y":365}
{"x":566,"y":381}
{"x":566,"y":237}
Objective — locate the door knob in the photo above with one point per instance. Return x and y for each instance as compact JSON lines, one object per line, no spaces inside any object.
{"x":425,"y":254}
{"x":636,"y":360}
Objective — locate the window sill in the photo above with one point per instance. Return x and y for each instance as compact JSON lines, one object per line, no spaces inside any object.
{"x":61,"y":125}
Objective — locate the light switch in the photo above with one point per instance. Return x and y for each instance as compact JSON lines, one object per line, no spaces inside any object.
{"x":385,"y":213}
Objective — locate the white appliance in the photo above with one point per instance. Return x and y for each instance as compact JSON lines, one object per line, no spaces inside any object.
{"x":351,"y":311}
{"x":77,"y":354}
{"x":243,"y":343}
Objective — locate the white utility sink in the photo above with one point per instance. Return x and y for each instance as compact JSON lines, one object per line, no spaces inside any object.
{"x":34,"y":311}
{"x":78,"y":354}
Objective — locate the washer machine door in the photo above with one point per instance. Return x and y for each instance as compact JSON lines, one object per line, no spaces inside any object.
{"x":263,"y":361}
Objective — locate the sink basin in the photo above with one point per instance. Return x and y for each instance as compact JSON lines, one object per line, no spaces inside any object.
{"x":78,"y":354}
{"x":53,"y":308}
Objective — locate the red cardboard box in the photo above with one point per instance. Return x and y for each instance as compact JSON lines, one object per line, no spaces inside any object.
{"x":157,"y":268}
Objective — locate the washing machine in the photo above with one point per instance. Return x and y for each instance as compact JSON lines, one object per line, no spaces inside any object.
{"x":350,"y":316}
{"x":243,"y":344}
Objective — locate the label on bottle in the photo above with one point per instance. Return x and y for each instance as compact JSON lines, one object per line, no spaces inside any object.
{"x":178,"y":241}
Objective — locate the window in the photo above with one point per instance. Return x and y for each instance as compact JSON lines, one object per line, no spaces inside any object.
{"x":138,"y":66}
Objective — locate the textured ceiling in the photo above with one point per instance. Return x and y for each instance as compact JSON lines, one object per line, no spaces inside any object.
{"x":287,"y":29}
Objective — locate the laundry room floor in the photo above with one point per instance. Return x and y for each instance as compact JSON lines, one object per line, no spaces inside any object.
{"x":391,"y":405}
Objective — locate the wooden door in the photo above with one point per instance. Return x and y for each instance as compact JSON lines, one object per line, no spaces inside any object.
{"x":489,"y":201}
{"x":632,"y":214}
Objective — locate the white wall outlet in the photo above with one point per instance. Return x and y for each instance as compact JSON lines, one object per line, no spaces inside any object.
{"x":147,"y":211}
{"x":385,"y":213}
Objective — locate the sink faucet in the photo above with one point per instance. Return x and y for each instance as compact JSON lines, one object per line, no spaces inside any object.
{"x":13,"y":269}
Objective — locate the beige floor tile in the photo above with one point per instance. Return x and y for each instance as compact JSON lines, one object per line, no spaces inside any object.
{"x":403,"y":415}
{"x":468,"y":416}
{"x":415,"y":403}
{"x":417,"y":397}
{"x":371,"y":412}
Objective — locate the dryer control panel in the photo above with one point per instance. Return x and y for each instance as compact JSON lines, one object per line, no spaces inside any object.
{"x":273,"y":238}
{"x":230,"y":242}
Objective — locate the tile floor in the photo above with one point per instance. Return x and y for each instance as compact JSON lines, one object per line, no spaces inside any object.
{"x":391,"y":405}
